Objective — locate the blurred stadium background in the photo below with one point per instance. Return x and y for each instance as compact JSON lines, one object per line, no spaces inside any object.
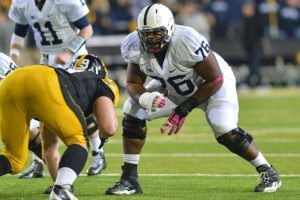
{"x":265,"y":33}
{"x":192,"y":165}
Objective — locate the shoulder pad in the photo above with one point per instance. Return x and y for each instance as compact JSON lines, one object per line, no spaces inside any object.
{"x":19,"y":3}
{"x":130,"y":48}
{"x":6,"y":65}
{"x":190,"y":42}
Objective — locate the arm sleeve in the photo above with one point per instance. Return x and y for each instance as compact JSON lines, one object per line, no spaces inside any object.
{"x":106,"y":91}
{"x":21,"y":30}
{"x":81,"y":23}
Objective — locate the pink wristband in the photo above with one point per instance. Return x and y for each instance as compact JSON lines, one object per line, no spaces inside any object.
{"x":127,"y":84}
{"x":218,"y":79}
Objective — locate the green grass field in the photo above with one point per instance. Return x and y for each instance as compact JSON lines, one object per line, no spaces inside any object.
{"x":191,"y":164}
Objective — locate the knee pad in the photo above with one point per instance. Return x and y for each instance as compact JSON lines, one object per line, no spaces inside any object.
{"x":237,"y":140}
{"x":134,"y":128}
{"x":35,"y":146}
{"x":92,"y":125}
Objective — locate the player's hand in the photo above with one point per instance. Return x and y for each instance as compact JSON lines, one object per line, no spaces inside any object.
{"x":173,"y":123}
{"x":63,"y":58}
{"x":152,"y":100}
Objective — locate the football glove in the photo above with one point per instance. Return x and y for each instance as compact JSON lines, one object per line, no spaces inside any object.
{"x":152,"y":100}
{"x":173,"y":123}
{"x":177,"y":117}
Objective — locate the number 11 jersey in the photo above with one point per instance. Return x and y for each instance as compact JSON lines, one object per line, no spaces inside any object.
{"x":52,"y":25}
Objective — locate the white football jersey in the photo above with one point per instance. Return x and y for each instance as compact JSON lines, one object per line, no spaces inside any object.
{"x":6,"y":65}
{"x":52,"y":26}
{"x":187,"y":47}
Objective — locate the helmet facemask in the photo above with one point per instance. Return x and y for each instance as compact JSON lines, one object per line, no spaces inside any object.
{"x":153,"y":40}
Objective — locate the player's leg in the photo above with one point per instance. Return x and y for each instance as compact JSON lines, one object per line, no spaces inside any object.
{"x":222,"y":115}
{"x":57,"y":110}
{"x":51,"y":154}
{"x":134,"y":134}
{"x":36,"y":169}
{"x":14,"y":138}
{"x":98,"y":157}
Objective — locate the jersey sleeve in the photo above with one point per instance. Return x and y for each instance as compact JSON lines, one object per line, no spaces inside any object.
{"x":130,"y":48}
{"x":193,"y":47}
{"x":106,"y":91}
{"x":6,"y":65}
{"x":73,"y":9}
{"x":16,"y":12}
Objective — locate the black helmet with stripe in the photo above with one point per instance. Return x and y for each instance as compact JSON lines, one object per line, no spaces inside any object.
{"x":89,"y":62}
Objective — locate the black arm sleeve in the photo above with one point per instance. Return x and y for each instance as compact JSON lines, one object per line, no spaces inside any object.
{"x":106,"y":91}
{"x":21,"y":30}
{"x":81,"y":23}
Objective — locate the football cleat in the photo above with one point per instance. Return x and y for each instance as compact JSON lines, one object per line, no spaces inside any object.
{"x":125,"y":187}
{"x":35,"y":170}
{"x":49,"y":189}
{"x":60,"y":192}
{"x":97,"y":165}
{"x":269,"y":179}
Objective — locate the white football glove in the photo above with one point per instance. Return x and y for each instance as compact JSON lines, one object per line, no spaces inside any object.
{"x":152,"y":100}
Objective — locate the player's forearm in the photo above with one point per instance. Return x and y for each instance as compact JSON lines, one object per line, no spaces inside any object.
{"x":135,"y":90}
{"x":86,"y":32}
{"x":206,"y":90}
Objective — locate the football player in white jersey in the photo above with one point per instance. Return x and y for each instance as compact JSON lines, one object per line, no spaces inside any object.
{"x":182,"y":65}
{"x":60,"y":30}
{"x":35,"y":144}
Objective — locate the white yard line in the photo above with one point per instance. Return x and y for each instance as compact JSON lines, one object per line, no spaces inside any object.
{"x":184,"y":175}
{"x":199,"y":175}
{"x":201,"y":155}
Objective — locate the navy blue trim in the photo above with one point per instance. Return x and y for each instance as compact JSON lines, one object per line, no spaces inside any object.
{"x":21,"y":30}
{"x":82,"y":23}
{"x":146,"y":13}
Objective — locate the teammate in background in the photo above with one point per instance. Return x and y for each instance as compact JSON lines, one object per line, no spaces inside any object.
{"x":182,"y":65}
{"x":60,"y":30}
{"x":61,"y":101}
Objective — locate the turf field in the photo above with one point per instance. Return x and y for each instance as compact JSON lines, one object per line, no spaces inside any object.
{"x":192,"y":165}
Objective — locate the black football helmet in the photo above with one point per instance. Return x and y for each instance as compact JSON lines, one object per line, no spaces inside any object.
{"x":89,"y":62}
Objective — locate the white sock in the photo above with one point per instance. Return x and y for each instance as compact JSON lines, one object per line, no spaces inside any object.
{"x":95,"y":143}
{"x":34,"y":157}
{"x":65,"y":176}
{"x":131,"y":158}
{"x":259,"y":160}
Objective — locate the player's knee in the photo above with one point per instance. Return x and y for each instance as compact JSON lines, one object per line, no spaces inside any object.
{"x":134,"y":128}
{"x":17,"y":165}
{"x":128,"y":105}
{"x":236,"y":140}
{"x":220,"y":126}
